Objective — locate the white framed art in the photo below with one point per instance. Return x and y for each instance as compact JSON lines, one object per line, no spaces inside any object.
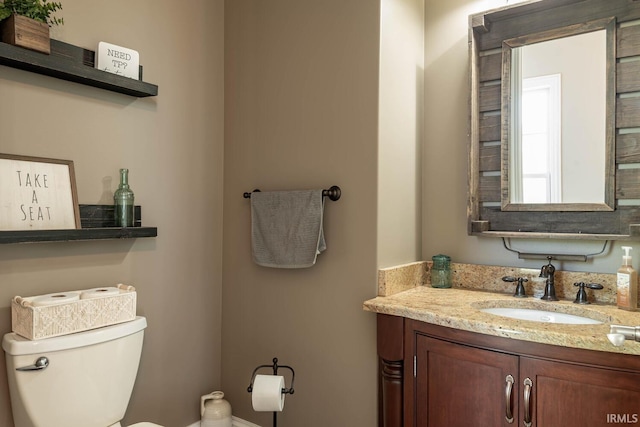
{"x":37,"y":194}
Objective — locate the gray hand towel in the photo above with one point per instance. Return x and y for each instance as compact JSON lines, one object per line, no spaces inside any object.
{"x":286,"y":228}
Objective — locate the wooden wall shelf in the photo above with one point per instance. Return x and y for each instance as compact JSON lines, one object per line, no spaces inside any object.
{"x":32,"y":236}
{"x":97,"y":224}
{"x":74,"y":64}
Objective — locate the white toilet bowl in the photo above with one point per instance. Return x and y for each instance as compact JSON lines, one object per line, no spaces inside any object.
{"x":78,"y":380}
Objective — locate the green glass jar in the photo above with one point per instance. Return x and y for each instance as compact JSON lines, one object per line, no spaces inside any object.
{"x":123,"y":201}
{"x":441,"y":271}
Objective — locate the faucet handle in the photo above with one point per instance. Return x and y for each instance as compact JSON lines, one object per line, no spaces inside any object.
{"x":520,"y":292}
{"x":581,"y":297}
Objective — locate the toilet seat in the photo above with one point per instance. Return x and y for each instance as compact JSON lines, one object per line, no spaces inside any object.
{"x":145,"y":424}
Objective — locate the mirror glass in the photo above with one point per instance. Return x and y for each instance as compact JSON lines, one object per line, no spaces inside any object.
{"x":556,"y":142}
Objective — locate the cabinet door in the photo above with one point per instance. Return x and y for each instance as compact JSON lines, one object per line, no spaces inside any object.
{"x":457,"y":385}
{"x":564,"y":394}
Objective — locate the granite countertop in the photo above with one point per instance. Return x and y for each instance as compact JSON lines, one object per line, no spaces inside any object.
{"x":459,"y":308}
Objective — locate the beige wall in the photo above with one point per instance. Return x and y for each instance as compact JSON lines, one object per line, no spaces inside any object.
{"x":301,"y":108}
{"x":173,"y":146}
{"x":400,"y":130}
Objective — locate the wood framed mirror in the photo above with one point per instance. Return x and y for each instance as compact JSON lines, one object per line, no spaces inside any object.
{"x":513,"y":191}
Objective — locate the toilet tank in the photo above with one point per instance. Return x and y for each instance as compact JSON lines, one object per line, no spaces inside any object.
{"x":87,"y":383}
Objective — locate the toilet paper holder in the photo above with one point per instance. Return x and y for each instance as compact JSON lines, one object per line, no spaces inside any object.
{"x":275,"y":368}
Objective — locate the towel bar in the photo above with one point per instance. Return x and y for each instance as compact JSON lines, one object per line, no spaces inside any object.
{"x":332,"y":193}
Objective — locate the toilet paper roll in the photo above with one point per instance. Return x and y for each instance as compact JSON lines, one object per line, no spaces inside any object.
{"x":267,"y":394}
{"x":99,"y":292}
{"x":52,"y":299}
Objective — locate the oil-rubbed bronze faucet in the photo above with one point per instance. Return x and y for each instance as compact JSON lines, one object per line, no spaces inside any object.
{"x":581,"y":297}
{"x":520,"y":292}
{"x":547,"y":271}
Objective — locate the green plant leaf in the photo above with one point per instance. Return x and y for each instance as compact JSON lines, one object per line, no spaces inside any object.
{"x":40,"y":10}
{"x":4,"y":14}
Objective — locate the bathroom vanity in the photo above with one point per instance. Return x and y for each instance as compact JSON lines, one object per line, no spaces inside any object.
{"x":435,"y":375}
{"x":445,"y":362}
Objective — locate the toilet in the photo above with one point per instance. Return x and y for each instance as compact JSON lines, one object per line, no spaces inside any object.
{"x":78,"y":380}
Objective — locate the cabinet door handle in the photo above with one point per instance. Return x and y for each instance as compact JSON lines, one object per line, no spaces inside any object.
{"x":528,"y":384}
{"x":507,"y":395}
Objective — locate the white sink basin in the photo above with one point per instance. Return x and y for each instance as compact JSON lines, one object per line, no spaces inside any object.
{"x":541,"y":316}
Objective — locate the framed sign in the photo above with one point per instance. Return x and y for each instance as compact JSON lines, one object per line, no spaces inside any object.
{"x":37,"y":194}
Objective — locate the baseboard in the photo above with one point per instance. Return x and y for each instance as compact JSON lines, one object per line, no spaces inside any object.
{"x":236,"y":422}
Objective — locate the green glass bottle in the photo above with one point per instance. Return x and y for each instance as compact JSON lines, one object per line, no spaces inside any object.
{"x":441,"y":271}
{"x":123,"y":201}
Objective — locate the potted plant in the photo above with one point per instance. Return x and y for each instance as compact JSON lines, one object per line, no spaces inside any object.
{"x":26,"y":23}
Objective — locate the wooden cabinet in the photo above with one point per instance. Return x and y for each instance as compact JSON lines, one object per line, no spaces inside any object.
{"x":564,"y":394}
{"x":391,"y":373}
{"x":456,"y":385}
{"x":457,"y":378}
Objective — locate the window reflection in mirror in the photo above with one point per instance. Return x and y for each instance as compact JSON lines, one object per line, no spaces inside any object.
{"x":536,"y":170}
{"x":557,"y":121}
